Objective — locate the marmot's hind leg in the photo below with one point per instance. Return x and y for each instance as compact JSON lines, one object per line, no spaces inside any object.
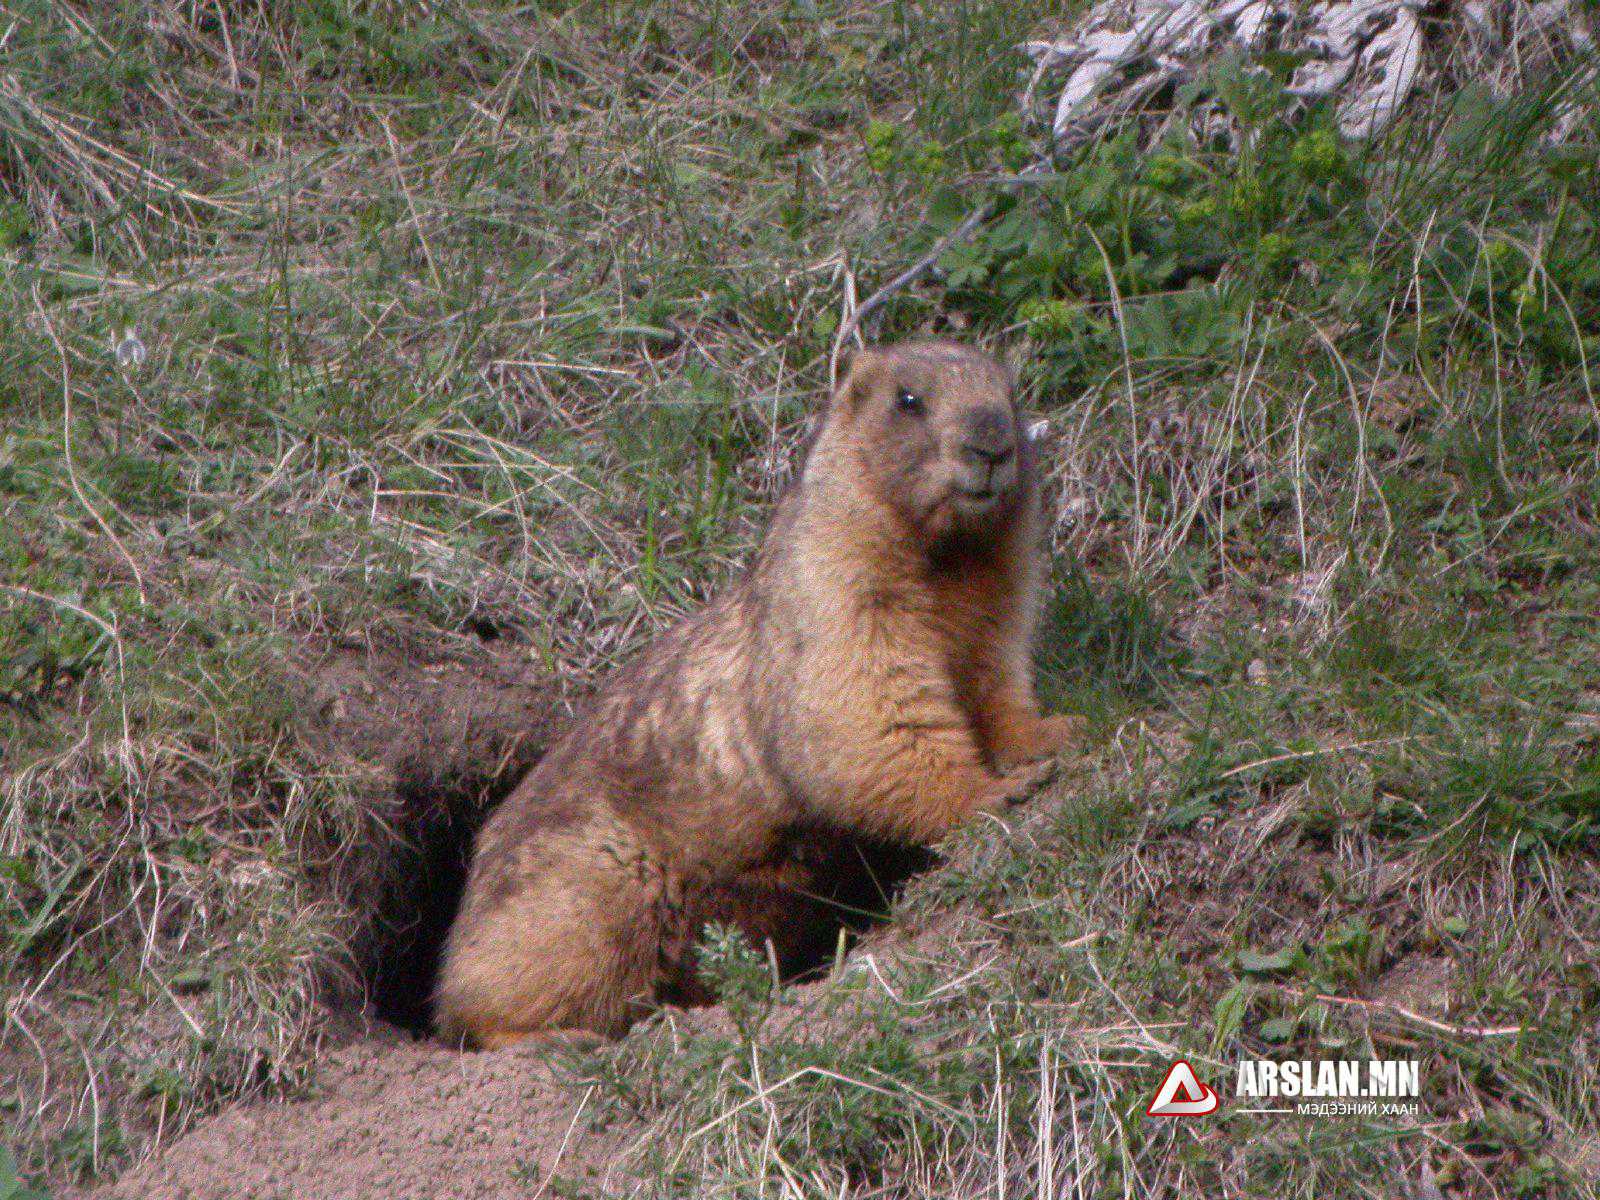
{"x":574,"y":950}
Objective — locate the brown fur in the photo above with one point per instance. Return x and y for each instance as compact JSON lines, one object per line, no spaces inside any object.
{"x":868,"y":676}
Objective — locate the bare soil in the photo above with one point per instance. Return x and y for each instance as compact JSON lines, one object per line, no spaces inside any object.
{"x":397,"y":1118}
{"x":430,"y":715}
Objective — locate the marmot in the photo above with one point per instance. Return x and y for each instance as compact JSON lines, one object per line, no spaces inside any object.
{"x":869,"y":675}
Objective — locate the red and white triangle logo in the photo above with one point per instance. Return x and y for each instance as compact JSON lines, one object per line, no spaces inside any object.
{"x":1181,"y":1094}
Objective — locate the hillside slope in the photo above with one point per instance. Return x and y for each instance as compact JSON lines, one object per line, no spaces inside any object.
{"x":373,"y":377}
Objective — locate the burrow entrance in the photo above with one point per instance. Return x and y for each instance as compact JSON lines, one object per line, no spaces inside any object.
{"x":854,"y":884}
{"x":420,"y":891}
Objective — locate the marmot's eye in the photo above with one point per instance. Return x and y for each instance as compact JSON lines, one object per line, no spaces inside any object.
{"x":909,"y":402}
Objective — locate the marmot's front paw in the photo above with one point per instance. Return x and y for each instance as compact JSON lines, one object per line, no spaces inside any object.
{"x":1022,"y":782}
{"x":1045,"y":738}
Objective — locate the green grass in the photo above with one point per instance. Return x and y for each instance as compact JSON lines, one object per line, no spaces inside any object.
{"x":498,"y":327}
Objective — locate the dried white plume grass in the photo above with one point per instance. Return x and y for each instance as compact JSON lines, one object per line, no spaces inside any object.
{"x":1371,"y":56}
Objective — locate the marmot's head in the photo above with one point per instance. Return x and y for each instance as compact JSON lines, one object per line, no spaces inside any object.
{"x":935,"y":429}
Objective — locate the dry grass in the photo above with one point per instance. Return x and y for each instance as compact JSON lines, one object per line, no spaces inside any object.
{"x":476,"y":338}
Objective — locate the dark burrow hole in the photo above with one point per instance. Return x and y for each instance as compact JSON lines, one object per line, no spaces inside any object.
{"x":852,"y":886}
{"x":422,"y":891}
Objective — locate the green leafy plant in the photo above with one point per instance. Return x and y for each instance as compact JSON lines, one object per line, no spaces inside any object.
{"x":738,"y":973}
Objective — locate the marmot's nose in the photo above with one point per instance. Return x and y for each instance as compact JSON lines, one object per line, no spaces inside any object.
{"x":989,"y":441}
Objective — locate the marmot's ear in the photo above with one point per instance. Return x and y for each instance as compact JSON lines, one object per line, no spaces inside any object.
{"x":859,"y":375}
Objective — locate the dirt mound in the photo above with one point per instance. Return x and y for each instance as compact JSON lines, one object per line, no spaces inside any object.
{"x":396,"y":1118}
{"x":429,"y":717}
